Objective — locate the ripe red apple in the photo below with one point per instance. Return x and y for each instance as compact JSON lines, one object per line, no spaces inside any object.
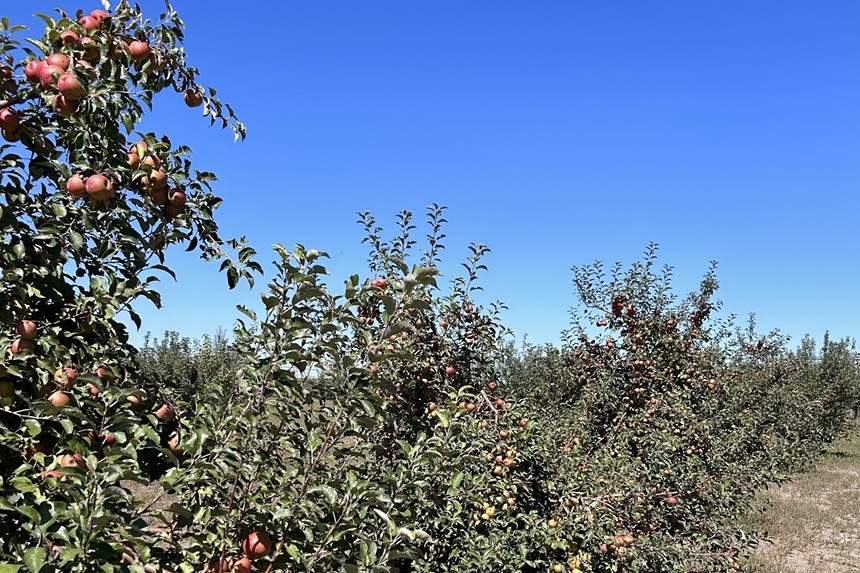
{"x":133,"y":160}
{"x":492,"y":385}
{"x":117,"y":49}
{"x":159,"y":196}
{"x":154,"y":180}
{"x":53,"y":473}
{"x":242,"y":565}
{"x":450,"y":371}
{"x":67,"y":377}
{"x":177,"y":198}
{"x":48,"y":76}
{"x":26,"y":329}
{"x":152,"y":160}
{"x":257,"y":545}
{"x":99,"y":187}
{"x":193,"y":98}
{"x":68,"y":37}
{"x":91,"y":49}
{"x":139,"y":50}
{"x":165,"y":413}
{"x":11,"y":136}
{"x":32,"y":71}
{"x":9,"y":119}
{"x":672,"y":500}
{"x":89,"y":23}
{"x":76,"y":186}
{"x":60,"y":60}
{"x":99,"y":15}
{"x":70,"y":86}
{"x":63,"y":106}
{"x":59,"y":399}
{"x":72,"y":461}
{"x":22,"y":345}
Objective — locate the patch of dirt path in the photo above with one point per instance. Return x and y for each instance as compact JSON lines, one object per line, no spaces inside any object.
{"x":813,"y":522}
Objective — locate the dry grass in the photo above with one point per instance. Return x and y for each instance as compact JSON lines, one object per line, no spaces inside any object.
{"x":814,"y":521}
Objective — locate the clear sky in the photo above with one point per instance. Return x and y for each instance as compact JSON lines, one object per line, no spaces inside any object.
{"x":556,"y":132}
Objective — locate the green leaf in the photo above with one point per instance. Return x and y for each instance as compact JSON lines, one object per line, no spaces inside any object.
{"x":34,"y":558}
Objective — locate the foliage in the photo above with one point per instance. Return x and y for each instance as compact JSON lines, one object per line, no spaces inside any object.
{"x":384,"y":426}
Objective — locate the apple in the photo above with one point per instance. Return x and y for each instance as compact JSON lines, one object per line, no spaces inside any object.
{"x":193,"y":98}
{"x":159,"y":196}
{"x":91,"y":49}
{"x":67,"y":377}
{"x":470,"y":407}
{"x":63,"y":106}
{"x":104,"y":374}
{"x":152,"y":161}
{"x":139,"y":50}
{"x":672,"y":500}
{"x":99,"y":187}
{"x":48,"y":76}
{"x":52,"y":473}
{"x":33,"y":70}
{"x":89,"y":22}
{"x":165,"y":413}
{"x":154,"y":180}
{"x":22,"y":345}
{"x":133,"y":160}
{"x":258,"y":544}
{"x":492,"y":385}
{"x":178,"y":199}
{"x":134,"y":400}
{"x":72,"y":461}
{"x":9,"y":119}
{"x":242,"y":565}
{"x":68,"y":37}
{"x":70,"y":86}
{"x":26,"y":329}
{"x":99,"y":15}
{"x":117,"y":49}
{"x":60,"y":60}
{"x":59,"y":399}
{"x":173,"y":442}
{"x":373,"y":367}
{"x":450,"y":371}
{"x":104,"y":439}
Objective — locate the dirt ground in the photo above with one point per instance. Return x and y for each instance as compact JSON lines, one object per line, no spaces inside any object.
{"x":814,"y":521}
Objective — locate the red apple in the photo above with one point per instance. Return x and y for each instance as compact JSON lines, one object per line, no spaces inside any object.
{"x":257,"y":545}
{"x":61,"y":60}
{"x":59,"y":399}
{"x":67,"y":377}
{"x":72,"y":461}
{"x":48,"y":76}
{"x":64,"y":106}
{"x":89,"y":23}
{"x":91,"y":49}
{"x":165,"y":413}
{"x":68,"y":37}
{"x":672,"y":500}
{"x":99,"y":15}
{"x":11,"y":136}
{"x":193,"y":98}
{"x":177,"y":198}
{"x":242,"y":565}
{"x":9,"y":119}
{"x":26,"y":329}
{"x":22,"y":345}
{"x":32,"y":71}
{"x":139,"y":50}
{"x":99,"y":187}
{"x":70,"y":86}
{"x":173,"y":210}
{"x":76,"y":186}
{"x":154,"y":180}
{"x":159,"y":196}
{"x":450,"y":371}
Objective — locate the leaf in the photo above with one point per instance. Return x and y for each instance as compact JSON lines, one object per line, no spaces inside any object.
{"x":34,"y":558}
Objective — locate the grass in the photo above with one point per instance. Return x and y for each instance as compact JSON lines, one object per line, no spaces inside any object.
{"x":813,"y":522}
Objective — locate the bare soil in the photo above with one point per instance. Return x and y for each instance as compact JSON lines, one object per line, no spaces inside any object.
{"x":813,"y":522}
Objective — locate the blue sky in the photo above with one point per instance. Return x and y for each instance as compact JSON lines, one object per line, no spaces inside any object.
{"x":557,"y":133}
